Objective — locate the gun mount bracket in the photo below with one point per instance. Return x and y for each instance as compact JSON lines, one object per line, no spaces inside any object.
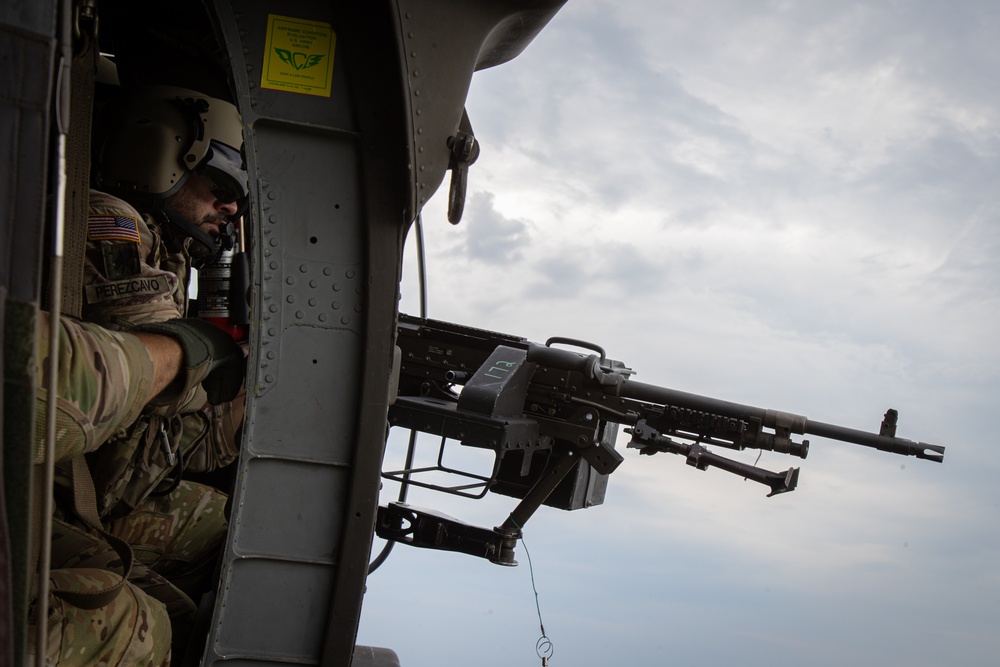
{"x":428,"y":529}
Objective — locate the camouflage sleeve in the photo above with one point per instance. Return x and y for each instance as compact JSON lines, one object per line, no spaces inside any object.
{"x":129,"y":279}
{"x":101,"y":385}
{"x":124,"y":282}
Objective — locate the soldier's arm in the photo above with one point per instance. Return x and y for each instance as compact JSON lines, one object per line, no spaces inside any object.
{"x":103,"y":380}
{"x":167,"y":357}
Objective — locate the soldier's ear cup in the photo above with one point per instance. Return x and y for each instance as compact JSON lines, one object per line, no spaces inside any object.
{"x":211,"y":356}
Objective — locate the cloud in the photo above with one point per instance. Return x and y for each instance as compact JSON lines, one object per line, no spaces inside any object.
{"x":490,"y":236}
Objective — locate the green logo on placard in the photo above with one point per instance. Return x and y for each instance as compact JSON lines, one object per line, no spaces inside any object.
{"x":298,"y":60}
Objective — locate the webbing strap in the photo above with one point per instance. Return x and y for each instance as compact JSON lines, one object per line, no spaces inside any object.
{"x":82,"y":75}
{"x":85,"y":508}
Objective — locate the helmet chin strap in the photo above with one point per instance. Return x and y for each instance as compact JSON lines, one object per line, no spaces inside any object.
{"x":182,"y":235}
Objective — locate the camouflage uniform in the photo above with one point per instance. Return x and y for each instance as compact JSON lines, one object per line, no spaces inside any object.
{"x":130,"y":278}
{"x":133,"y":628}
{"x":175,"y":533}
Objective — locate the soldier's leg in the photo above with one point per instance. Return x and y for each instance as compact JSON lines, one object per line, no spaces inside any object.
{"x":179,"y":535}
{"x":132,"y":629}
{"x":69,"y":552}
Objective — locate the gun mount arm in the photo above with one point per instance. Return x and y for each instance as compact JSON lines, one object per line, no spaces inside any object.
{"x":428,"y":529}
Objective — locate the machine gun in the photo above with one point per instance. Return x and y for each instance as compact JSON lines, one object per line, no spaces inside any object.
{"x":552,"y":415}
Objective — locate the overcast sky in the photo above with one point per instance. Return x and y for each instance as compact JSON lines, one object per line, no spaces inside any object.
{"x":789,"y":204}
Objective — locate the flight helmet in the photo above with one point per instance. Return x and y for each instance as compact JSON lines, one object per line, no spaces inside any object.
{"x":148,"y":142}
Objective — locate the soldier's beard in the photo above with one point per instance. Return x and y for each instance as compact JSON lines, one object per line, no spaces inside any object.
{"x":182,"y":235}
{"x":200,"y":253}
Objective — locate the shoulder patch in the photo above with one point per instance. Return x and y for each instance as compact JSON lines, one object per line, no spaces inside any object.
{"x":112,"y":228}
{"x":121,"y":260}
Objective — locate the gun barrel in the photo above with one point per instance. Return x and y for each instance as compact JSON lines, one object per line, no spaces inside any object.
{"x":649,"y":393}
{"x":921,"y":450}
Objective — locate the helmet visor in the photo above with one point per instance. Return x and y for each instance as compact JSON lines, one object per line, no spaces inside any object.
{"x":222,"y":170}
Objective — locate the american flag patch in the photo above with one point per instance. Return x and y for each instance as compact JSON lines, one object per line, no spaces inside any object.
{"x":112,"y":228}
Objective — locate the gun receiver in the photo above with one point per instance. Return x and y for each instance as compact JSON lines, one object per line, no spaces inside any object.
{"x":551,"y":415}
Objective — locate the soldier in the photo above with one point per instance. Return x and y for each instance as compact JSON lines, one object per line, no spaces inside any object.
{"x":168,"y":163}
{"x":104,"y":380}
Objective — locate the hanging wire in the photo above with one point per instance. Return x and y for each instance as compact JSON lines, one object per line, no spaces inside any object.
{"x":411,"y":448}
{"x":544,"y":648}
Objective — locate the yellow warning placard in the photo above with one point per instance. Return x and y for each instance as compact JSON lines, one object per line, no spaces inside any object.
{"x":298,"y":56}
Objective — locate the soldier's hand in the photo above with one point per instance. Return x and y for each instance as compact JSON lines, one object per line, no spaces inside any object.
{"x":211,"y":357}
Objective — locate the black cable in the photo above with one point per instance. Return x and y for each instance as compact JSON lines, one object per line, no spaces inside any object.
{"x":412,"y":446}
